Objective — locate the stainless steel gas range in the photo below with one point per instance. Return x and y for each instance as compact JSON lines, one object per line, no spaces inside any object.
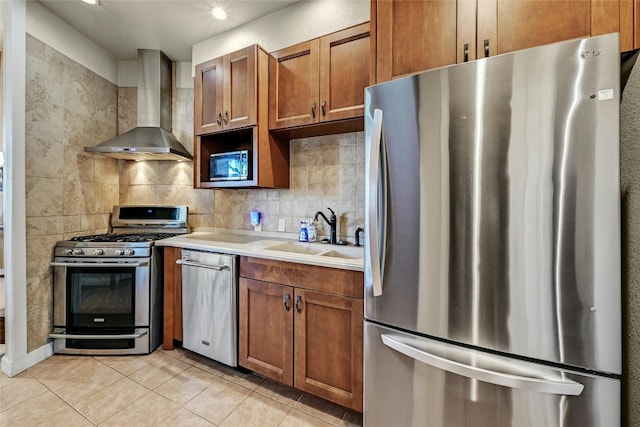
{"x":107,"y":288}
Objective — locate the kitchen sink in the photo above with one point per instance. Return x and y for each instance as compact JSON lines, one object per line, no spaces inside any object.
{"x":299,"y":248}
{"x":345,"y":252}
{"x":334,"y":251}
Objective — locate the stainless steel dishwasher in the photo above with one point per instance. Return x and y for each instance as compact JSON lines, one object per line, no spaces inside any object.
{"x":210,"y":305}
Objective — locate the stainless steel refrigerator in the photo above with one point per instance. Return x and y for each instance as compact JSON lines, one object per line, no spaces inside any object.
{"x":492,"y":267}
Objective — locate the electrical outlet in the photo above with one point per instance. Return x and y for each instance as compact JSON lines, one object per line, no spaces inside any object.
{"x":281,"y":224}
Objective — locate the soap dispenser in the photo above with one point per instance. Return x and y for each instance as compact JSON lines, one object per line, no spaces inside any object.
{"x":303,"y":236}
{"x":312,"y":235}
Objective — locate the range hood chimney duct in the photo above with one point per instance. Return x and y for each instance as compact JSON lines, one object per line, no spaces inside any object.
{"x":152,"y":138}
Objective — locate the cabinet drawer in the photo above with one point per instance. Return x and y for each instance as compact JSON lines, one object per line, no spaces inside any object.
{"x":332,"y":280}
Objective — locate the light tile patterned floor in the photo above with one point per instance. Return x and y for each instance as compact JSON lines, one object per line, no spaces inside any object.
{"x":165,"y":388}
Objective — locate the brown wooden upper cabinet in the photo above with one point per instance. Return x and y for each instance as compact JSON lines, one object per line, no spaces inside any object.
{"x":232,"y":114}
{"x":413,"y":36}
{"x":225,"y":92}
{"x":320,"y":80}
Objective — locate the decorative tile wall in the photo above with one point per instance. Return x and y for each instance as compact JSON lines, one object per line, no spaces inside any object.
{"x":68,"y":192}
{"x":326,"y":172}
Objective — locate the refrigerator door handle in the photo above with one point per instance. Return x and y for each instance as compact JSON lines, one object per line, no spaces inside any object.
{"x":377,"y":206}
{"x":504,"y":378}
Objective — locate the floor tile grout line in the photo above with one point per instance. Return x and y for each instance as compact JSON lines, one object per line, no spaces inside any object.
{"x":65,"y":401}
{"x":22,"y":401}
{"x":285,"y":416}
{"x":234,"y":409}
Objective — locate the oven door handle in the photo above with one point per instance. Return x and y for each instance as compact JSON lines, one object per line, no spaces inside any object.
{"x":99,"y":264}
{"x":197,"y":264}
{"x":61,"y":333}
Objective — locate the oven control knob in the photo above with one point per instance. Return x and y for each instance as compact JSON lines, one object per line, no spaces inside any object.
{"x":98,"y":252}
{"x":68,"y":251}
{"x":118,"y":252}
{"x":129,"y":252}
{"x":78,"y":252}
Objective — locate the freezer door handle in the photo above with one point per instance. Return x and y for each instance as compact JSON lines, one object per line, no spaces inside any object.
{"x":504,"y":376}
{"x":377,"y":207}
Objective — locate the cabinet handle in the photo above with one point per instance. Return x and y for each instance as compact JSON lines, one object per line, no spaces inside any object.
{"x":219,"y":119}
{"x":299,"y":304}
{"x":466,"y":52}
{"x":313,"y":110}
{"x":287,"y":302}
{"x":226,"y":117}
{"x":324,"y":106}
{"x":486,"y":48}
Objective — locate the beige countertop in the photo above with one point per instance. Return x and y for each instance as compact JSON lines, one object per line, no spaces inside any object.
{"x":267,"y":246}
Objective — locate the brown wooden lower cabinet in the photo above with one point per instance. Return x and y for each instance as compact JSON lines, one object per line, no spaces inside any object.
{"x":302,"y":337}
{"x":266,"y":330}
{"x":172,"y":303}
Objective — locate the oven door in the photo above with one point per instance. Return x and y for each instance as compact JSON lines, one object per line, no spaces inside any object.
{"x":101,"y":306}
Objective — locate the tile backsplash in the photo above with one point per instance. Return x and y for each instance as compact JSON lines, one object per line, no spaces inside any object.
{"x":326,"y":172}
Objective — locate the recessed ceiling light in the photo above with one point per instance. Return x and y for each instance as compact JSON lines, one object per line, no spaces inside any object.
{"x":92,"y":2}
{"x":218,"y":13}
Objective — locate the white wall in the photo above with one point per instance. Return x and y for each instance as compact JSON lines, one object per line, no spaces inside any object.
{"x":48,"y":28}
{"x":297,"y":23}
{"x":13,"y":135}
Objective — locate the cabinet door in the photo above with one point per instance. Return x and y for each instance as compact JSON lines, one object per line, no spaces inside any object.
{"x":328,"y":346}
{"x":293,"y":86}
{"x":523,"y":24}
{"x":208,"y":96}
{"x":344,"y":73}
{"x":266,"y":332}
{"x":240,"y":99}
{"x":414,"y":36}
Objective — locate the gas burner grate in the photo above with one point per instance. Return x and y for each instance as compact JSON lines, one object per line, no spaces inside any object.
{"x":125,"y":237}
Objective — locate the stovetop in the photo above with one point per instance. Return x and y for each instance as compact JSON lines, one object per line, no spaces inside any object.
{"x":134,"y":229}
{"x":124,"y":237}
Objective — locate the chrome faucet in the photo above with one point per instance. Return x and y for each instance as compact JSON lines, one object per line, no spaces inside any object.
{"x":333,"y":222}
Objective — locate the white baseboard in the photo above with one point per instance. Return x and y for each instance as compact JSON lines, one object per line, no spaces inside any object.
{"x":14,"y":367}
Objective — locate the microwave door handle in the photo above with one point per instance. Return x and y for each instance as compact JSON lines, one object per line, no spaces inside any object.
{"x":375,"y":243}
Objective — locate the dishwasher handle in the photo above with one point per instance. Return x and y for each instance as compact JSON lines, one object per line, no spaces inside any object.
{"x":197,"y":264}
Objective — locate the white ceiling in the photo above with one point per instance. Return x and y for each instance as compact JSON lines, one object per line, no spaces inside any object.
{"x":123,"y":26}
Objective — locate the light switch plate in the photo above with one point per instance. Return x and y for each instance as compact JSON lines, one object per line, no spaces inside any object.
{"x":281,"y":224}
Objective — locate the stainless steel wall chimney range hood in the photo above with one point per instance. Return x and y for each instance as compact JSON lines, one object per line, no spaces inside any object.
{"x":152,"y":138}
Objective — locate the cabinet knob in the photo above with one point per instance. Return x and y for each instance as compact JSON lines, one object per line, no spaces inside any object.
{"x":466,"y":52}
{"x":299,"y":304}
{"x":313,"y":110}
{"x":219,"y":119}
{"x":287,"y":302}
{"x":486,"y":48}
{"x":226,"y":118}
{"x":324,"y":108}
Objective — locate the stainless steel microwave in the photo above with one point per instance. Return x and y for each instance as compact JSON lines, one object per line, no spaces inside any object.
{"x":230,"y":166}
